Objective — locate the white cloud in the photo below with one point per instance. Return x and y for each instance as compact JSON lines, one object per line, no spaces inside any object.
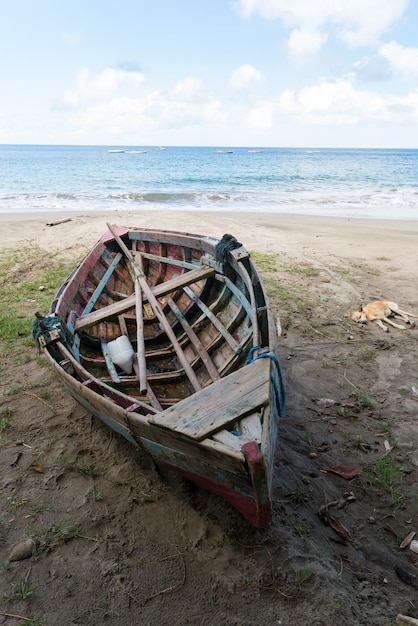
{"x":244,"y":76}
{"x":327,"y":102}
{"x":262,"y":116}
{"x":403,"y":61}
{"x":189,"y":88}
{"x":355,"y":22}
{"x":392,"y":60}
{"x":336,"y":102}
{"x":409,"y":105}
{"x":304,"y":42}
{"x":90,"y":87}
{"x":104,"y":105}
{"x":110,"y":105}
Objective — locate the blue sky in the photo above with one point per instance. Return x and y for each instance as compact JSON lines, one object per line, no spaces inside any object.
{"x":334,"y":73}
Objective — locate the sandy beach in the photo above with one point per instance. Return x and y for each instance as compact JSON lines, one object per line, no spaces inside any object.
{"x":154,"y":550}
{"x":299,"y":234}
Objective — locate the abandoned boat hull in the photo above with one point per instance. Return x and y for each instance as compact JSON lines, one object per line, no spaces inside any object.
{"x":213,"y":388}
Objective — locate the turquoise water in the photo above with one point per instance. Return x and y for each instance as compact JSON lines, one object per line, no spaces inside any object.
{"x":335,"y":182}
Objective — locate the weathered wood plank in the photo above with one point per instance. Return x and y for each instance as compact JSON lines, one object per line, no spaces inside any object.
{"x":140,"y":342}
{"x":187,"y":240}
{"x":150,"y":394}
{"x":227,"y":438}
{"x":251,"y":427}
{"x":248,"y":283}
{"x":156,"y":307}
{"x":122,"y":398}
{"x":109,"y":363}
{"x":167,"y":260}
{"x":209,"y":452}
{"x":213,"y":319}
{"x":102,"y":284}
{"x":84,"y":322}
{"x":197,"y":463}
{"x":197,"y":344}
{"x":221,"y":403}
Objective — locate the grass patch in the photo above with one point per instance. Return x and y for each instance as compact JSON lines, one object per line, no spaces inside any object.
{"x":5,"y":421}
{"x":265,"y":262}
{"x":301,"y":269}
{"x":61,"y":531}
{"x":16,"y":503}
{"x":302,"y":580}
{"x":293,"y":299}
{"x":106,"y":536}
{"x":387,"y":476}
{"x":81,"y":467}
{"x":29,"y":279}
{"x":20,"y":591}
{"x":370,"y":269}
{"x":2,"y":534}
{"x":366,"y":400}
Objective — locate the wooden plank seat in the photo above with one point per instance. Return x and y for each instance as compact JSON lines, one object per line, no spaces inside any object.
{"x":220,"y":404}
{"x":86,"y":321}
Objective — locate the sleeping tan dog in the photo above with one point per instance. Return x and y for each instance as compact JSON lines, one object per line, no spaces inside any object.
{"x":381,"y":310}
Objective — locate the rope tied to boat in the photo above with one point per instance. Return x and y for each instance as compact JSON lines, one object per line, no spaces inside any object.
{"x":222,"y":256}
{"x":43,"y":326}
{"x":279,"y":390}
{"x":224,"y":246}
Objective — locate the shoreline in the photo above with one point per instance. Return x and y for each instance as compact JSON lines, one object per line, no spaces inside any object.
{"x":395,"y":223}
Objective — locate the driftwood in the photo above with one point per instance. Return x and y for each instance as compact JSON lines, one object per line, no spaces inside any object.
{"x":68,"y":219}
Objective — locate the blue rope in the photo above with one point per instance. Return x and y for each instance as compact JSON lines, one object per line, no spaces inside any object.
{"x":279,"y":390}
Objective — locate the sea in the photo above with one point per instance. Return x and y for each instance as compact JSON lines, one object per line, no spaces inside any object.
{"x":360,"y":183}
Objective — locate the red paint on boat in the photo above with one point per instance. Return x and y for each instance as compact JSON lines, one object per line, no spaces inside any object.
{"x":257,"y":513}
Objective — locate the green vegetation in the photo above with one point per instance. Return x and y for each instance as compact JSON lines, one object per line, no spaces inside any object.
{"x":387,"y":475}
{"x":264,"y":262}
{"x":29,"y":279}
{"x":2,"y":534}
{"x":300,"y":528}
{"x":34,"y":621}
{"x":126,"y":547}
{"x":5,"y":421}
{"x":106,"y":536}
{"x":5,"y":415}
{"x":303,"y":269}
{"x":18,"y":502}
{"x":366,"y":400}
{"x":81,"y":467}
{"x":62,"y":530}
{"x":20,"y":590}
{"x":299,"y":496}
{"x":98,"y":495}
{"x":293,"y":298}
{"x":302,"y":579}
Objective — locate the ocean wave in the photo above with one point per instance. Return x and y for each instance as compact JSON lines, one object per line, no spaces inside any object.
{"x":379,"y":203}
{"x":176,"y":197}
{"x":300,"y":181}
{"x":155,"y":197}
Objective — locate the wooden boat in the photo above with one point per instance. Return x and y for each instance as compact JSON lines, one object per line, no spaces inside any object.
{"x":169,"y":339}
